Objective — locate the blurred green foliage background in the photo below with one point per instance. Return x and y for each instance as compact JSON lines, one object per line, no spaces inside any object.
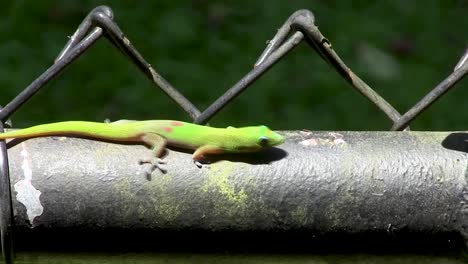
{"x":400,"y":48}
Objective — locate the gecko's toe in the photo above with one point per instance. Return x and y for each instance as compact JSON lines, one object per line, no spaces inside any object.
{"x":203,"y":164}
{"x":155,"y":163}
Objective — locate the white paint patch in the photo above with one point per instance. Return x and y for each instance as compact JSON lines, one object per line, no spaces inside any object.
{"x":27,"y":194}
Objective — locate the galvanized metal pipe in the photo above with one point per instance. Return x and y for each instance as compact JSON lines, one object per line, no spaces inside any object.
{"x":317,"y":184}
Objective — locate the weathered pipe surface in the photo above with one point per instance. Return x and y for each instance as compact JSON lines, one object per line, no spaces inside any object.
{"x":324,"y":186}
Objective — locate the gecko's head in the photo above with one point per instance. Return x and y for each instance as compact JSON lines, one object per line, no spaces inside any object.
{"x":269,"y":138}
{"x":260,"y":137}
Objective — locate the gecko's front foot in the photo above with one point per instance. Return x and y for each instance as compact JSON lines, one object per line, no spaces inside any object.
{"x":155,"y":164}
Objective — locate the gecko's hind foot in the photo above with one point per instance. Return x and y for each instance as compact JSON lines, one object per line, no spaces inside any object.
{"x":155,"y":163}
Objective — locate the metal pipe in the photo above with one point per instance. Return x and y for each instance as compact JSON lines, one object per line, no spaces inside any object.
{"x":316,"y":185}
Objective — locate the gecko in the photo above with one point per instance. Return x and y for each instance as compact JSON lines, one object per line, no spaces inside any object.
{"x":158,"y":134}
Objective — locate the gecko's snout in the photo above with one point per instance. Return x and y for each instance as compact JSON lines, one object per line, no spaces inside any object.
{"x":276,"y":139}
{"x":271,"y":138}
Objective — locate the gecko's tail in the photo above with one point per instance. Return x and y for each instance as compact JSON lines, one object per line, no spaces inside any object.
{"x":76,"y":128}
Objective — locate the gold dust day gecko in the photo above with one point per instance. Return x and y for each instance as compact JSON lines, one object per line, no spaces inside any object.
{"x":156,"y":134}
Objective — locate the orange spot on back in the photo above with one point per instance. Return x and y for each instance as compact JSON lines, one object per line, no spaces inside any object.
{"x":167,"y":129}
{"x":176,"y":123}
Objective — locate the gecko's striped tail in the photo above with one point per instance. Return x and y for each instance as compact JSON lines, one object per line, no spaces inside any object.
{"x":107,"y":131}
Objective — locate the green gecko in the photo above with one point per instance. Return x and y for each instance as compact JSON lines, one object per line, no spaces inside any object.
{"x":156,"y":134}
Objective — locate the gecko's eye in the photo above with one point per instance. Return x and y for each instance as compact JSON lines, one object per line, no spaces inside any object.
{"x":263,"y":141}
